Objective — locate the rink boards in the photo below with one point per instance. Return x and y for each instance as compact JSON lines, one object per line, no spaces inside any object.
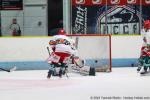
{"x":31,"y":53}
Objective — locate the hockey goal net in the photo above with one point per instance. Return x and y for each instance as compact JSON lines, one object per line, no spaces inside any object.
{"x":95,"y":50}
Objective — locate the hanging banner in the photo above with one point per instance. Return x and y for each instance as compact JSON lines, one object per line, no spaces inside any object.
{"x":0,"y":4}
{"x":109,"y":16}
{"x":11,"y":4}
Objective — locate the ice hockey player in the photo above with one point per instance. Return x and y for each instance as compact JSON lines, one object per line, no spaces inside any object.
{"x":144,"y":34}
{"x":144,"y":59}
{"x":61,"y":53}
{"x":64,"y":54}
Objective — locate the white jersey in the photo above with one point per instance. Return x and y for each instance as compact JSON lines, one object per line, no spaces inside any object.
{"x":63,"y":44}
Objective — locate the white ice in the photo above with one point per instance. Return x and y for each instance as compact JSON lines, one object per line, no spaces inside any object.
{"x":120,"y":84}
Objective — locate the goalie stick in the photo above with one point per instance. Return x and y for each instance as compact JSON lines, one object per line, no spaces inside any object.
{"x":48,"y":51}
{"x":76,"y":42}
{"x":9,"y":70}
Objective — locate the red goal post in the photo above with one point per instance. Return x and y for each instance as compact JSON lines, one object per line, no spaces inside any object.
{"x":95,"y":49}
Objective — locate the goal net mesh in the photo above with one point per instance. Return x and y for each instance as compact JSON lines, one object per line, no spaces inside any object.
{"x":95,"y":50}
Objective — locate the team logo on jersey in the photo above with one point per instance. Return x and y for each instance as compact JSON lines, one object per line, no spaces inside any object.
{"x":120,"y":20}
{"x":80,"y":1}
{"x":96,"y":1}
{"x":131,"y":1}
{"x":115,"y":1}
{"x":147,"y":1}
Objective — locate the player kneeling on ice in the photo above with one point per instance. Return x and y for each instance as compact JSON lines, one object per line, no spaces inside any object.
{"x":144,"y":60}
{"x":63,"y":51}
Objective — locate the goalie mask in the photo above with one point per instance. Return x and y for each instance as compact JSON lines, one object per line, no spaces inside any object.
{"x":61,"y":32}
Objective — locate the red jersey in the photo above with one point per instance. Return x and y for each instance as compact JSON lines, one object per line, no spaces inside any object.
{"x":145,"y":51}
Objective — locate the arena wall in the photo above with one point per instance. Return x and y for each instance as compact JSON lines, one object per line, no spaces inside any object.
{"x":31,"y":52}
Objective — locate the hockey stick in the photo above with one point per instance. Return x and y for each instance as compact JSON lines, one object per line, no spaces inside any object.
{"x":76,"y":45}
{"x":9,"y":70}
{"x":48,"y":51}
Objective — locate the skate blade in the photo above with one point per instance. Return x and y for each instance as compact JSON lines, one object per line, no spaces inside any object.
{"x":145,"y":74}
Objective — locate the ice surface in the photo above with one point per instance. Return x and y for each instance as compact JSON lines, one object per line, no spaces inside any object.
{"x":120,"y":84}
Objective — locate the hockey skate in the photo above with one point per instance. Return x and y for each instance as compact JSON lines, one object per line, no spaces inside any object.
{"x":139,"y":68}
{"x":59,"y":70}
{"x":50,"y":72}
{"x":145,"y":71}
{"x":145,"y":66}
{"x":60,"y":73}
{"x":140,"y":64}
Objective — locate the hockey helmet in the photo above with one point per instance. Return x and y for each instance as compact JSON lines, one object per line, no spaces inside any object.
{"x":147,"y":24}
{"x":61,"y":32}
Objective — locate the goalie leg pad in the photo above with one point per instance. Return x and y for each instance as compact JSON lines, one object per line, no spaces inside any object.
{"x":84,"y":70}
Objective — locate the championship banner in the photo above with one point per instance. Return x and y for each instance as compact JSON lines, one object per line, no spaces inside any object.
{"x":109,"y":16}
